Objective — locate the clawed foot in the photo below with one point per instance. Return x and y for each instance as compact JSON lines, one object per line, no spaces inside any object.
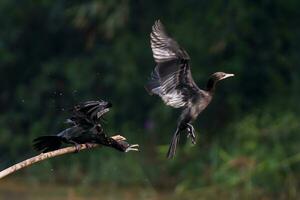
{"x":89,"y":145}
{"x":77,"y":147}
{"x":133,"y":147}
{"x":191,"y":133}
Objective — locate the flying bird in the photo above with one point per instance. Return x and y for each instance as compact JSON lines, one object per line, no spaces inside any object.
{"x":85,"y":129}
{"x":172,"y":81}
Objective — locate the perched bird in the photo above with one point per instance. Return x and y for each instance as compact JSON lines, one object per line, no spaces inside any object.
{"x":85,"y":129}
{"x":172,"y":81}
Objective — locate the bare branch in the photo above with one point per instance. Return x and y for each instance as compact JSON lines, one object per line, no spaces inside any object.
{"x":51,"y":154}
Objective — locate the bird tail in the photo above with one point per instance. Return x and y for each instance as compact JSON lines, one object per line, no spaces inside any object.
{"x":173,"y":145}
{"x":47,"y":143}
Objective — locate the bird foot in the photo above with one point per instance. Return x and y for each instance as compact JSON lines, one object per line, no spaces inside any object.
{"x":191,"y":133}
{"x":133,"y":147}
{"x":89,"y":145}
{"x":77,"y":147}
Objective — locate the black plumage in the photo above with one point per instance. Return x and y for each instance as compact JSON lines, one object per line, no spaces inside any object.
{"x":85,"y":128}
{"x":172,"y":81}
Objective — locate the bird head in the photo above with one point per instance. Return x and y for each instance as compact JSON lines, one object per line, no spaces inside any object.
{"x":220,"y":76}
{"x":214,"y":78}
{"x":124,"y":146}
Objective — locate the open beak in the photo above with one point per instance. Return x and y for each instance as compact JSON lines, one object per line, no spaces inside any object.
{"x":228,"y":75}
{"x":104,"y":110}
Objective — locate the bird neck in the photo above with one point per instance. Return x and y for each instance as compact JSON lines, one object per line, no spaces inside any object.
{"x":211,"y":84}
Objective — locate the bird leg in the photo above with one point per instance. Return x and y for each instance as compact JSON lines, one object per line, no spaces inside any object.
{"x":77,"y":146}
{"x":191,"y":133}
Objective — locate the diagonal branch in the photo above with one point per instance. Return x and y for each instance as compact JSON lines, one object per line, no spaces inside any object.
{"x":51,"y":154}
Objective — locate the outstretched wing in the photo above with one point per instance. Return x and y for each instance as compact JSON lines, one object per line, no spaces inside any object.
{"x":171,"y":79}
{"x":89,"y":113}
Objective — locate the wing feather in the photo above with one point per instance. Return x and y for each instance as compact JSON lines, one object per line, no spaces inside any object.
{"x":88,"y":114}
{"x":171,"y":79}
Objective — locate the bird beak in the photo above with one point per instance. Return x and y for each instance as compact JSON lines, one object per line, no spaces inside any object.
{"x":228,"y":75}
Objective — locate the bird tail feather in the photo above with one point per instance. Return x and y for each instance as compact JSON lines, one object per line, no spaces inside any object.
{"x":47,"y":143}
{"x":173,"y":145}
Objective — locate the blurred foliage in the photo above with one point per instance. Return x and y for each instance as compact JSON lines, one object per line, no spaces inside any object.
{"x":54,"y":54}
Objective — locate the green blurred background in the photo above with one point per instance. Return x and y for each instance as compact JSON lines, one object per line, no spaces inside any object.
{"x":54,"y":54}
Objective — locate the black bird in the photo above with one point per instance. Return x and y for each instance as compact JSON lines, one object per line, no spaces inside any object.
{"x":172,"y":81}
{"x":85,"y":128}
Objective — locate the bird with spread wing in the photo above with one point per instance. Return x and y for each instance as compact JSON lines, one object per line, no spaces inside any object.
{"x":85,"y":129}
{"x":172,"y":81}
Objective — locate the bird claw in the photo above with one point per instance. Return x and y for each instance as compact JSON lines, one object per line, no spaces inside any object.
{"x":89,"y":145}
{"x":133,"y":147}
{"x":191,"y":133}
{"x":193,"y":138}
{"x":77,"y":148}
